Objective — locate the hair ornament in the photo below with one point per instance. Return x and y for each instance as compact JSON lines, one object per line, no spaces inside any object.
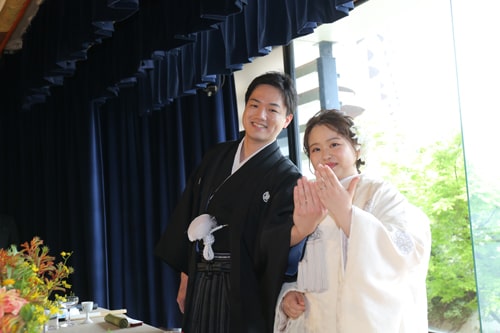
{"x":361,"y":141}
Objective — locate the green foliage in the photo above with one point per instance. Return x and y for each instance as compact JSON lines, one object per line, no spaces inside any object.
{"x":436,"y":183}
{"x":485,"y":214}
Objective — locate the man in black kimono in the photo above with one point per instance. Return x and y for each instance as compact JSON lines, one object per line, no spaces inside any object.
{"x":231,"y":232}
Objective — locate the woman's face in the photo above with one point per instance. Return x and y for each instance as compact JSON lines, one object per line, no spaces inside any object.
{"x":328,"y":147}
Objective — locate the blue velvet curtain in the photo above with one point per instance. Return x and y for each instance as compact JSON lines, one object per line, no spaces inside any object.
{"x":190,"y":41}
{"x":103,"y":184}
{"x":141,"y":164}
{"x":103,"y":117}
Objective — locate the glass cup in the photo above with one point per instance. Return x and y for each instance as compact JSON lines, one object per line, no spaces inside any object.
{"x":53,"y":323}
{"x":87,"y":307}
{"x":70,"y":302}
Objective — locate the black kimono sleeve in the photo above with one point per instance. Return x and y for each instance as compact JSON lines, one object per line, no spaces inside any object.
{"x":173,"y":247}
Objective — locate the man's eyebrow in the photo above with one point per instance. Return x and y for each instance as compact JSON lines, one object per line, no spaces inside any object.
{"x":259,"y":101}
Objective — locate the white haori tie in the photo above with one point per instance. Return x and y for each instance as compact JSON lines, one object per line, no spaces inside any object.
{"x":201,"y":228}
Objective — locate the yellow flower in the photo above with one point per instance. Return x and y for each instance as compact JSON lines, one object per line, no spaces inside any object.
{"x":8,"y":282}
{"x":66,"y":255}
{"x":54,"y":309}
{"x":34,"y":276}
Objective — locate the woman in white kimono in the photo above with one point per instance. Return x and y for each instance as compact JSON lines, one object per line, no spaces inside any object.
{"x":365,"y":266}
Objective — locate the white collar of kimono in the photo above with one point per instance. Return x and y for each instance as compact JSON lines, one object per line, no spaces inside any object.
{"x":237,"y":164}
{"x":347,"y":180}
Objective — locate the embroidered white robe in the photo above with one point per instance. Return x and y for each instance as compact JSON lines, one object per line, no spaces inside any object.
{"x":373,"y":281}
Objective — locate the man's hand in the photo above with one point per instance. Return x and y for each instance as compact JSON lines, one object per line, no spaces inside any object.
{"x":181,"y":294}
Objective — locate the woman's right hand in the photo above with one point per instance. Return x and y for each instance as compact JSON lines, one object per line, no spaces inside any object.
{"x":293,"y":304}
{"x":308,"y":210}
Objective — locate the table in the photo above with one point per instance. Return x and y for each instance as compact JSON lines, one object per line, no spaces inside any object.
{"x":99,"y":325}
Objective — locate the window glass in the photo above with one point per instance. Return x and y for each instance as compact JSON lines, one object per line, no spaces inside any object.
{"x":387,"y":76}
{"x":396,"y":75}
{"x":478,"y":70}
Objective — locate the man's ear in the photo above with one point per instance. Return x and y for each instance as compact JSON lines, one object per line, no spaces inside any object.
{"x":288,"y":120}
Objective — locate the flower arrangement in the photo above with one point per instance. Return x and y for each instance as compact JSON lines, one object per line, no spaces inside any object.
{"x":27,"y":280}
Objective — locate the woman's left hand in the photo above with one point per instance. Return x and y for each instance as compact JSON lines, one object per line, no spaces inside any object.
{"x":335,"y":197}
{"x":294,"y":304}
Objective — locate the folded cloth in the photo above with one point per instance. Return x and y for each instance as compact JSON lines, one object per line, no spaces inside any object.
{"x":119,"y":321}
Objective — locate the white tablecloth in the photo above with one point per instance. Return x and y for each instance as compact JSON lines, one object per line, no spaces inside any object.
{"x":99,"y":325}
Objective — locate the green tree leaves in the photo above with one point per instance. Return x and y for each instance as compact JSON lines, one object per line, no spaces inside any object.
{"x":436,"y":183}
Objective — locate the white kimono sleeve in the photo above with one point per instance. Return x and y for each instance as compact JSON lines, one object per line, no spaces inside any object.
{"x":282,"y":323}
